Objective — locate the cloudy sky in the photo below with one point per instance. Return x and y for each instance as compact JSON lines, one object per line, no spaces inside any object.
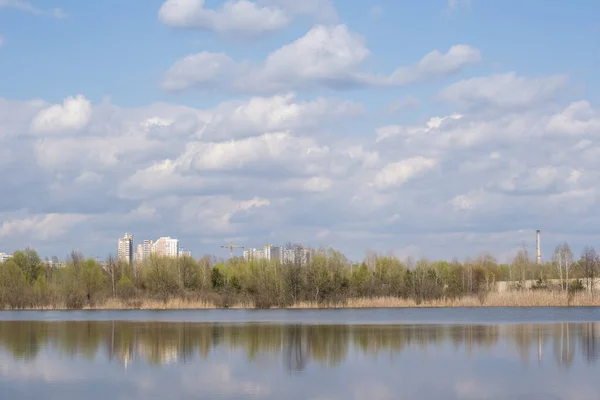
{"x":434,"y":128}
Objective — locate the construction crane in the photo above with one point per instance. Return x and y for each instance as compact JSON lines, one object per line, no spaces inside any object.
{"x":232,"y":246}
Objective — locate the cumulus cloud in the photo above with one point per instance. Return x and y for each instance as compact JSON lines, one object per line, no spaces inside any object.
{"x":196,"y":70}
{"x":276,"y":113}
{"x":285,"y":167}
{"x":398,"y":173}
{"x":41,"y":227}
{"x":236,"y":154}
{"x":577,"y":119}
{"x":326,"y":56}
{"x":72,"y":115}
{"x":503,"y":91}
{"x":242,"y":16}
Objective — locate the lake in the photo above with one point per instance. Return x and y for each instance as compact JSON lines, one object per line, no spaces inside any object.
{"x":378,"y":354}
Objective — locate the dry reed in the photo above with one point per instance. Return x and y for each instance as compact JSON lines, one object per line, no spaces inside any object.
{"x":505,"y":299}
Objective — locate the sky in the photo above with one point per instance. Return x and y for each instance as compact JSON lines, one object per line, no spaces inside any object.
{"x":437,"y":129}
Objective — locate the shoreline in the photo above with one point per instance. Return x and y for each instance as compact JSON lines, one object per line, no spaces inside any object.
{"x":492,"y":300}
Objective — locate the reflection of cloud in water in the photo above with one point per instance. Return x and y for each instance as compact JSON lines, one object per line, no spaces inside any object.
{"x":43,"y":368}
{"x":218,"y":379}
{"x":177,"y":360}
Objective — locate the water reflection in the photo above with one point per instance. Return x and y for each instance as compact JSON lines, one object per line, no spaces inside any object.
{"x":296,"y":346}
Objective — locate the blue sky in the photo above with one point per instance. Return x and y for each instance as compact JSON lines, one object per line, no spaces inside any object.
{"x":200,"y":121}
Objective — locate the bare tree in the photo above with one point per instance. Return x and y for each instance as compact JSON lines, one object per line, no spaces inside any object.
{"x":562,"y":261}
{"x":520,"y":265}
{"x":590,"y":264}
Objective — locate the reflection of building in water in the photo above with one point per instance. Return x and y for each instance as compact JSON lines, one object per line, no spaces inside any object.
{"x":563,"y":344}
{"x":165,"y":343}
{"x":590,"y":342}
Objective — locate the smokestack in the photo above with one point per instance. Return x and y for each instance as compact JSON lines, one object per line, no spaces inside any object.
{"x":539,"y":252}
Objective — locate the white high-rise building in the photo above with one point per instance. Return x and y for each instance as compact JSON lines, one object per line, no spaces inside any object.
{"x":254,"y":254}
{"x":4,"y":257}
{"x":272,"y":253}
{"x":166,"y":247}
{"x":143,"y":251}
{"x":125,"y":249}
{"x":268,"y":252}
{"x":185,"y":253}
{"x":295,"y":255}
{"x":139,"y":253}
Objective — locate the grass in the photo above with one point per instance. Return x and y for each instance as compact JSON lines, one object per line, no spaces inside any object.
{"x":504,"y":299}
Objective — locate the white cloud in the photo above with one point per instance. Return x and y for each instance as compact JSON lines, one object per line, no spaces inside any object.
{"x":462,"y":202}
{"x":503,"y":90}
{"x":433,"y":64}
{"x":196,"y":69}
{"x":577,"y":119}
{"x":217,"y":212}
{"x":26,"y":6}
{"x":281,"y":148}
{"x":269,"y":114}
{"x":74,"y":114}
{"x":318,"y":184}
{"x":242,"y":16}
{"x":398,"y":173}
{"x":272,"y":169}
{"x":434,"y":123}
{"x":41,"y":227}
{"x":326,"y":56}
{"x":2,"y":40}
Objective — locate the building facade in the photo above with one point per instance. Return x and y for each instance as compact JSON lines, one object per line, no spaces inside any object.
{"x":292,"y":255}
{"x":4,"y":257}
{"x":166,"y":247}
{"x":125,"y":249}
{"x":185,"y":253}
{"x":143,"y":251}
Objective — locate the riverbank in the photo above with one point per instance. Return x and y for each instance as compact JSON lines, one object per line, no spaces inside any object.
{"x":505,"y":299}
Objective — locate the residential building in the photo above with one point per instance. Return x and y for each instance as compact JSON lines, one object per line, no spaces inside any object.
{"x":143,"y":251}
{"x":139,"y":254}
{"x":166,"y":247}
{"x":185,"y":253}
{"x":271,"y":252}
{"x":296,"y":255}
{"x":125,"y":249}
{"x":4,"y":257}
{"x":254,"y":254}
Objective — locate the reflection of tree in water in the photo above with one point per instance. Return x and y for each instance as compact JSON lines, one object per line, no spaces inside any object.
{"x":298,"y":345}
{"x":295,"y":349}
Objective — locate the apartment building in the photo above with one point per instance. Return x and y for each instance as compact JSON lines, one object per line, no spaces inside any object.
{"x":125,"y":249}
{"x":292,"y":255}
{"x":166,"y":247}
{"x":143,"y":251}
{"x":4,"y":257}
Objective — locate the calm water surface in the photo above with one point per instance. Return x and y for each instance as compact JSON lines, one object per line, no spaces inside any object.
{"x":336,"y":354}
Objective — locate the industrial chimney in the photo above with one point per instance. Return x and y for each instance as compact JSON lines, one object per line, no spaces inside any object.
{"x":539,"y":252}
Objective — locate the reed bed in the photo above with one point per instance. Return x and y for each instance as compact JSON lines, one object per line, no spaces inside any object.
{"x":504,"y":299}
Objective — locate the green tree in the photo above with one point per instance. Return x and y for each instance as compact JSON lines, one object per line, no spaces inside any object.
{"x":29,"y":262}
{"x":12,"y":285}
{"x":92,"y":279}
{"x":217,"y":278}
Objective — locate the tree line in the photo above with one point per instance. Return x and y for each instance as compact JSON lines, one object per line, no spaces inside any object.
{"x":328,"y":278}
